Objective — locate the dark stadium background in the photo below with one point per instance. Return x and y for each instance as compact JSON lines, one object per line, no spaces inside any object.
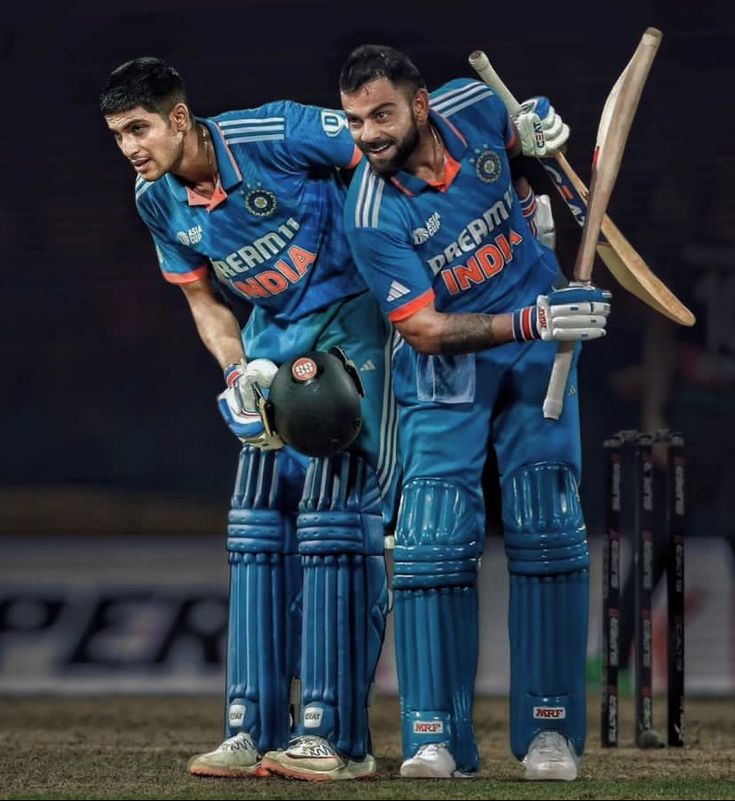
{"x":107,"y":416}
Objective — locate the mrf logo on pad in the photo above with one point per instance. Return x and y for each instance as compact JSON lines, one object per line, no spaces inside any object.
{"x":428,"y":727}
{"x":549,"y":712}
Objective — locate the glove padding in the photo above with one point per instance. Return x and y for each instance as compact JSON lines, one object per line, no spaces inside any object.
{"x":579,"y":311}
{"x":537,"y":211}
{"x":242,"y":404}
{"x":541,"y":130}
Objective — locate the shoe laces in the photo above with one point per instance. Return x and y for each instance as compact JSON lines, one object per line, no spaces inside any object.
{"x":311,"y":745}
{"x":553,"y":746}
{"x":241,"y":741}
{"x":430,"y":750}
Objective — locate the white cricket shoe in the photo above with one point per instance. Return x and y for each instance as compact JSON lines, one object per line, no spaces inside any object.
{"x":551,"y":757}
{"x":432,"y":761}
{"x":236,"y":758}
{"x":315,"y":759}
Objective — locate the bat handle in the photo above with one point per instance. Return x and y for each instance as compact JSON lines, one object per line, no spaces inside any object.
{"x":554,"y":401}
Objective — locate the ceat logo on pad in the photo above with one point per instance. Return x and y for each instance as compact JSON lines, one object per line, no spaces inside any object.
{"x":236,"y":714}
{"x":313,"y":717}
{"x":303,"y":369}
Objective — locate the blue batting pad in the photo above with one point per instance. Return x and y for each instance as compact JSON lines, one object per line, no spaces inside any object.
{"x":345,"y":599}
{"x":265,"y":583}
{"x":436,"y":559}
{"x":548,"y":561}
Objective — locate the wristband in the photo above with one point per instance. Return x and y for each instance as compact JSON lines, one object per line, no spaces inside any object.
{"x":524,"y":324}
{"x":232,"y":372}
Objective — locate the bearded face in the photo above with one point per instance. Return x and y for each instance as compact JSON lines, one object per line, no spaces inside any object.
{"x":383,"y":124}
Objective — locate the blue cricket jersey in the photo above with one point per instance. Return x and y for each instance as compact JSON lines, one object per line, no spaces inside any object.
{"x":272,"y":233}
{"x":463,"y":244}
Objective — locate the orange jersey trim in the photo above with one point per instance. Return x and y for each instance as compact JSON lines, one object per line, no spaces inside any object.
{"x":219,"y":196}
{"x":187,"y":278}
{"x":451,"y":168}
{"x":355,"y":160}
{"x":400,"y":187}
{"x":404,"y":312}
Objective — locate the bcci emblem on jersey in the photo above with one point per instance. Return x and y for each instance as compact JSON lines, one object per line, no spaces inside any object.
{"x":261,"y":203}
{"x":488,"y":166}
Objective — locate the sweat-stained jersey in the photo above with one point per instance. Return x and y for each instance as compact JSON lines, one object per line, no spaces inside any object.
{"x":463,"y":244}
{"x":272,"y":233}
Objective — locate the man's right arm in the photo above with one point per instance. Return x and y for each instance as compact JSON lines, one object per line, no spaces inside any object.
{"x":220,"y":332}
{"x":576,"y":312}
{"x":398,"y":278}
{"x":217,"y":326}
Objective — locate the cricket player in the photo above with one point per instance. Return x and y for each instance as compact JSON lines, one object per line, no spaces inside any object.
{"x":439,"y":234}
{"x":248,"y":204}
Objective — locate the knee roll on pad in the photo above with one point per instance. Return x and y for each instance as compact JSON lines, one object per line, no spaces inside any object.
{"x":548,"y":561}
{"x":438,"y":541}
{"x":345,"y":599}
{"x":436,"y":558}
{"x":264,"y":618}
{"x":542,"y":520}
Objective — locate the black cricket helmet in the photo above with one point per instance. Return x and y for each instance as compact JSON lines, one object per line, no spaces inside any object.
{"x":314,"y":402}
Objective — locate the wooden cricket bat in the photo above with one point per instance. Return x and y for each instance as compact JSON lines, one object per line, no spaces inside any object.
{"x":616,"y":252}
{"x":612,"y":133}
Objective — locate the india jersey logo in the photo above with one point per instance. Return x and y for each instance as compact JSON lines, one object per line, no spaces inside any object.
{"x":487,"y":165}
{"x":261,"y":203}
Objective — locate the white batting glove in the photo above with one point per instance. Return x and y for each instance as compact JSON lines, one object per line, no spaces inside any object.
{"x":537,"y":211}
{"x":540,"y":128}
{"x":579,"y":311}
{"x":242,"y":403}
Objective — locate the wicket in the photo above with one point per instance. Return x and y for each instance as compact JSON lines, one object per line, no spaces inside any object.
{"x":618,"y":447}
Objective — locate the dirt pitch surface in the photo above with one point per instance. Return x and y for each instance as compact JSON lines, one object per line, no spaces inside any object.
{"x":130,"y":748}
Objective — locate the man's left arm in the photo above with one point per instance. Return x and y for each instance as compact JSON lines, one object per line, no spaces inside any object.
{"x":318,"y":137}
{"x":535,"y":131}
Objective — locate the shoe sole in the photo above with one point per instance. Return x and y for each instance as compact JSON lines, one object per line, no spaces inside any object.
{"x":258,"y":772}
{"x":317,"y":776}
{"x":422,"y":772}
{"x":554,"y":774}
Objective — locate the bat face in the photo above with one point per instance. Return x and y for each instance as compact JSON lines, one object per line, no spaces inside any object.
{"x":599,"y":233}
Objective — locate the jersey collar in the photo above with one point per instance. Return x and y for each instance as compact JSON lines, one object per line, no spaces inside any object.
{"x":229,"y":173}
{"x":454,"y":142}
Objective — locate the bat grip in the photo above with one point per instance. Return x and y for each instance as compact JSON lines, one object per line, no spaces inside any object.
{"x":554,"y":401}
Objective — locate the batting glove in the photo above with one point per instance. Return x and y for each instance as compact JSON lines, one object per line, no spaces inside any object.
{"x":579,"y":311}
{"x":540,"y":128}
{"x":242,"y":404}
{"x":537,"y":212}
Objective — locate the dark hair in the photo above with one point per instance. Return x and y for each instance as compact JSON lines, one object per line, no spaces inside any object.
{"x":369,"y":62}
{"x":148,"y":82}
